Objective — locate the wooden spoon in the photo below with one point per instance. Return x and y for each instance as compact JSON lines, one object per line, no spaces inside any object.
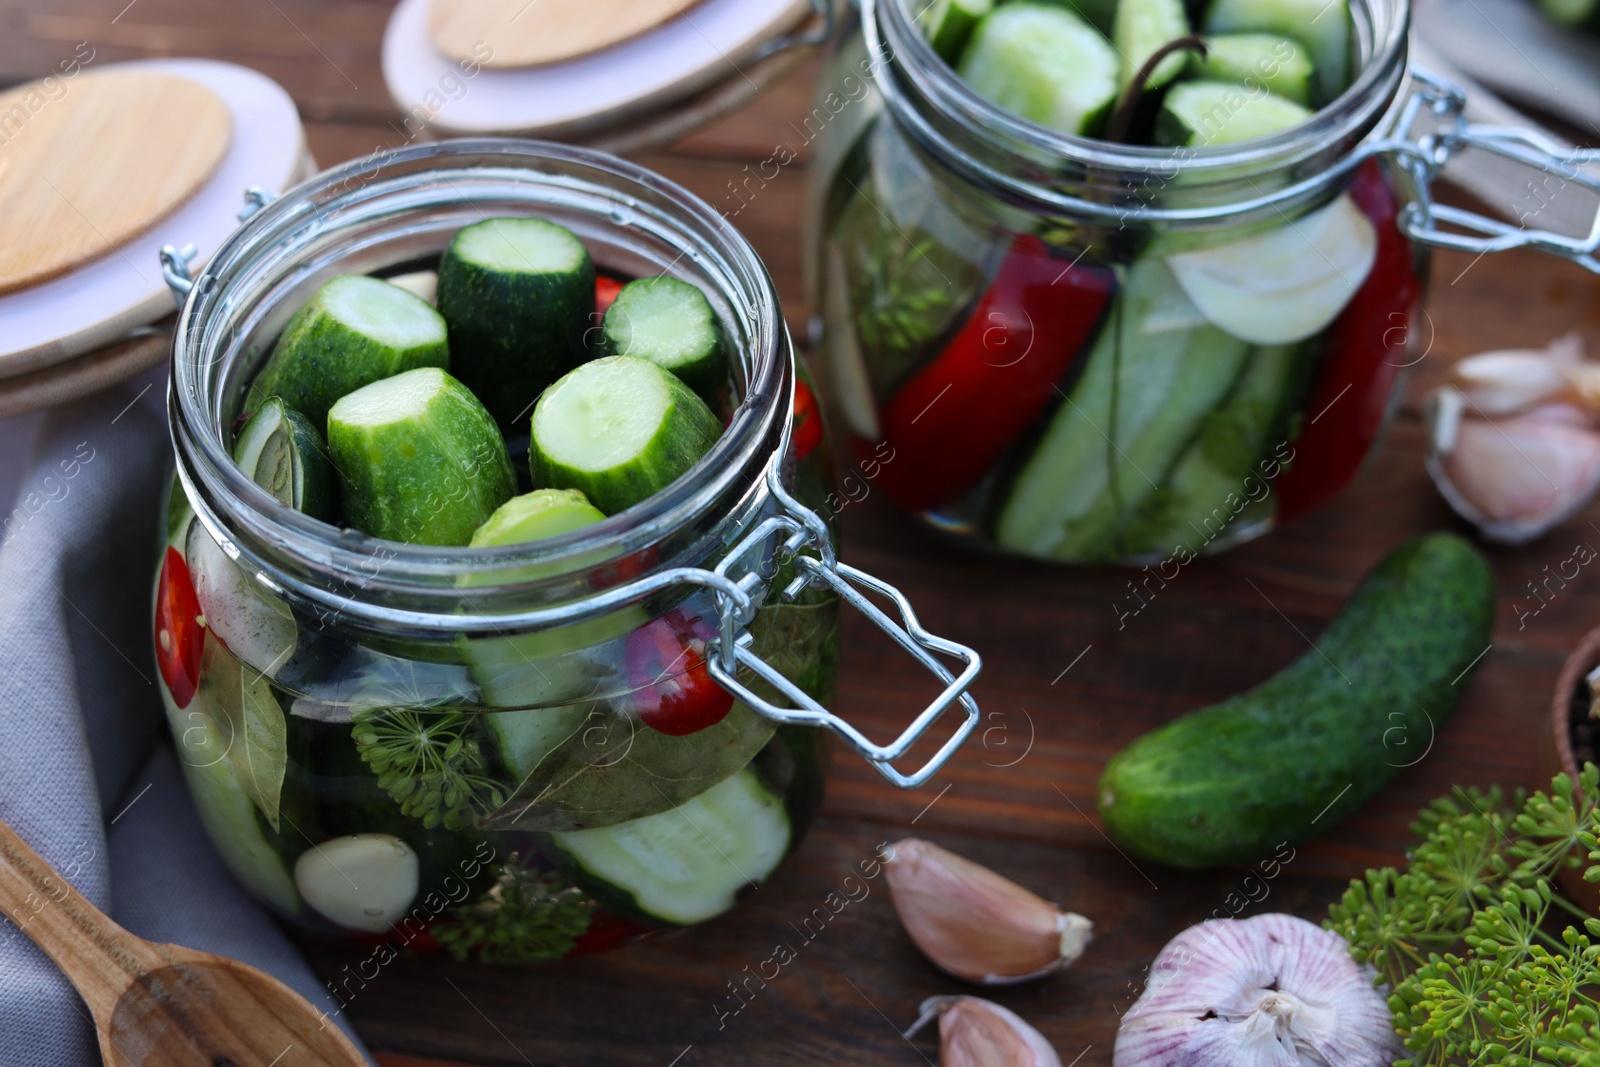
{"x":163,"y":1005}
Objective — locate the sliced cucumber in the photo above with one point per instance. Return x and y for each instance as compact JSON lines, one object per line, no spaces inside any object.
{"x":1045,"y":64}
{"x":419,"y":459}
{"x":1149,"y":382}
{"x":620,"y":429}
{"x":1287,"y":283}
{"x":228,"y":812}
{"x":1212,"y":486}
{"x":355,"y":330}
{"x":1323,"y":26}
{"x":1101,"y":14}
{"x":517,"y":294}
{"x":1142,"y":27}
{"x":669,"y":322}
{"x":948,"y":24}
{"x":542,"y":672}
{"x":536,"y":515}
{"x":1257,"y":59}
{"x":282,"y":452}
{"x":1221,"y":113}
{"x":687,"y":865}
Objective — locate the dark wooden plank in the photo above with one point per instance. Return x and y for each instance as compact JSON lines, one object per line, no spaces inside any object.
{"x":853,"y":982}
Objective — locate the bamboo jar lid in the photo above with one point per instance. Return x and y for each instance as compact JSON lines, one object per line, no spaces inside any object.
{"x":527,"y":33}
{"x":98,"y":170}
{"x":543,"y":68}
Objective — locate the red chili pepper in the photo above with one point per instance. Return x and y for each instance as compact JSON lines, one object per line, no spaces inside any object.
{"x":1366,"y":353}
{"x":606,"y":932}
{"x":807,"y":421}
{"x":179,"y":636}
{"x":605,"y":292}
{"x":674,"y":691}
{"x":959,"y":414}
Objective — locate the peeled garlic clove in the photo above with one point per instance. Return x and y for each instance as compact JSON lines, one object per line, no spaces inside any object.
{"x":980,"y":1033}
{"x":1271,"y":990}
{"x":974,"y":924}
{"x":1518,"y":477}
{"x":1499,"y":383}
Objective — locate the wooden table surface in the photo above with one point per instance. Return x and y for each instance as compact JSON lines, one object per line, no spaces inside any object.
{"x":1064,"y":686}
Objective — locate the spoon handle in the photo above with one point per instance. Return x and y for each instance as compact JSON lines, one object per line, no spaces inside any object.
{"x":99,"y":956}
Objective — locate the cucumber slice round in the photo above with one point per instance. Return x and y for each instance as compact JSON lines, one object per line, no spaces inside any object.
{"x":1046,"y":64}
{"x":686,"y":865}
{"x":1286,"y":284}
{"x":1323,"y":26}
{"x":947,"y":24}
{"x":517,"y":294}
{"x":1257,"y":59}
{"x":620,"y":429}
{"x":669,"y":322}
{"x":1205,"y":113}
{"x":1141,"y":28}
{"x":282,"y":452}
{"x":419,"y":459}
{"x":355,"y":330}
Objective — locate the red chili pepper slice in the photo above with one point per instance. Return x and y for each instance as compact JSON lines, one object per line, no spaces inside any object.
{"x":959,"y":414}
{"x":674,"y":690}
{"x":606,"y":932}
{"x":807,"y":421}
{"x":179,"y":636}
{"x":605,"y":292}
{"x":1366,"y":353}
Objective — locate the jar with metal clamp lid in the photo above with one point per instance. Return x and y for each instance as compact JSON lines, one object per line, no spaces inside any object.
{"x":481,"y":731}
{"x":1084,"y":350}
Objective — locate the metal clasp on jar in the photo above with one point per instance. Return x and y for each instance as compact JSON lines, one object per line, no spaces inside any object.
{"x":791,"y":534}
{"x":1425,"y":156}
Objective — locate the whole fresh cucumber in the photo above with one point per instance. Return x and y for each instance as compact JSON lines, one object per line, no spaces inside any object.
{"x":1303,"y":749}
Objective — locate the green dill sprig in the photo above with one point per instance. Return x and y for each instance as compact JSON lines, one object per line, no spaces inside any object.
{"x":898,"y":308}
{"x":430,"y":763}
{"x":1483,"y":958}
{"x":526,"y":917}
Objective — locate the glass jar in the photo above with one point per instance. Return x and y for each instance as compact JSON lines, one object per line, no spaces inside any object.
{"x":1085,"y":351}
{"x":453,"y":747}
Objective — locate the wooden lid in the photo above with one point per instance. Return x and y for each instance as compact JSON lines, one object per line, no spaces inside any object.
{"x":527,"y":33}
{"x":641,"y":77}
{"x":97,"y":160}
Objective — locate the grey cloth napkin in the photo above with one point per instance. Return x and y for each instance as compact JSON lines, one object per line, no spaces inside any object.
{"x":87,"y":773}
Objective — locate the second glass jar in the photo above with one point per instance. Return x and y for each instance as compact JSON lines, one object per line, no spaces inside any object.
{"x":1082,"y":351}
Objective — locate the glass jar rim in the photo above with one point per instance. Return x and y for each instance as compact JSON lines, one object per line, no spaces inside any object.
{"x":290,"y":547}
{"x":894,"y":39}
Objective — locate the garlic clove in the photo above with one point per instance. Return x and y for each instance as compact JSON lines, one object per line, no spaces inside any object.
{"x":980,"y":1033}
{"x":1499,"y":383}
{"x":973,"y":923}
{"x":1272,"y":990}
{"x":1516,"y":478}
{"x":1508,"y":381}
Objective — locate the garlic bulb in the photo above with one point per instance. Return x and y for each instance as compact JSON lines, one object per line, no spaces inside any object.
{"x":1504,"y":382}
{"x":980,"y":1033}
{"x":974,"y":924}
{"x":1272,"y":990}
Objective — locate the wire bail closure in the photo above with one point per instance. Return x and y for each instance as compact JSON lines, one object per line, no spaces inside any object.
{"x":1425,"y":156}
{"x":787,"y":536}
